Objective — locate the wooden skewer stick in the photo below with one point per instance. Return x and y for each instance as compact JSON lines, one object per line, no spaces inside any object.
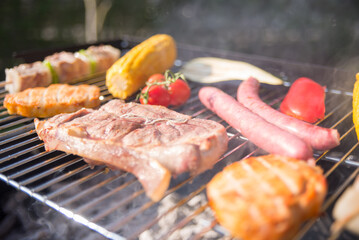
{"x":3,"y":84}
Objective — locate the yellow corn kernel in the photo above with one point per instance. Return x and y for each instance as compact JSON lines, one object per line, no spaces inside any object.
{"x":356,"y":105}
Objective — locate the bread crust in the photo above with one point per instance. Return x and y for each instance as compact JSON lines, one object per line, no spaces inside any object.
{"x":266,"y":197}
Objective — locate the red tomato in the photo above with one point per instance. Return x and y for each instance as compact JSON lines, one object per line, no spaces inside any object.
{"x":156,"y":95}
{"x":305,"y":100}
{"x":158,"y":77}
{"x":179,"y":92}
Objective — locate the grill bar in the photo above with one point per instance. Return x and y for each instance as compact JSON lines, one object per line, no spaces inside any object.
{"x":75,"y":183}
{"x":22,"y":135}
{"x":17,"y":131}
{"x":15,"y":123}
{"x":185,"y":221}
{"x":103,"y":197}
{"x":117,"y":226}
{"x":28,"y":150}
{"x":341,"y":160}
{"x":328,"y":202}
{"x":61,"y":178}
{"x":89,"y":190}
{"x":35,"y":167}
{"x":34,"y":139}
{"x":120,"y":204}
{"x":66,"y":212}
{"x":22,"y":162}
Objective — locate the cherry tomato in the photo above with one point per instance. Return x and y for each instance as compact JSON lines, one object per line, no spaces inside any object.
{"x":155,"y":95}
{"x":158,"y":77}
{"x":305,"y":100}
{"x":179,"y":92}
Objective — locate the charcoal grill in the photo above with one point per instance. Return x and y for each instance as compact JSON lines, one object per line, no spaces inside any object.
{"x":113,"y":203}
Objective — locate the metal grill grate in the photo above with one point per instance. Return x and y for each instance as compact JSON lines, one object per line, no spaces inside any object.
{"x":113,"y":203}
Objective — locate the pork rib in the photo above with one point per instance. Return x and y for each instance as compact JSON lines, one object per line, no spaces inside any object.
{"x":151,"y":142}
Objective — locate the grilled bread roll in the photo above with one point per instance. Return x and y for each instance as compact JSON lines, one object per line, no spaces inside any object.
{"x":57,"y":98}
{"x":266,"y":197}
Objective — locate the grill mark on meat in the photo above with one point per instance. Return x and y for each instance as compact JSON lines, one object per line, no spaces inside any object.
{"x":43,"y":97}
{"x":264,"y":186}
{"x":59,"y":93}
{"x":288,"y":181}
{"x":32,"y":96}
{"x":148,"y":121}
{"x":28,"y":96}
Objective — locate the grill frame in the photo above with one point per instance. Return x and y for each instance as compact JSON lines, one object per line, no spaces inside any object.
{"x":31,"y":170}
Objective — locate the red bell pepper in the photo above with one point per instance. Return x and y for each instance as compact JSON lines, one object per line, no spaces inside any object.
{"x":305,"y":100}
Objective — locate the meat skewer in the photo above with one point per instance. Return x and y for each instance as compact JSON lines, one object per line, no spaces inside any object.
{"x":262,"y":133}
{"x":318,"y":137}
{"x":62,"y":67}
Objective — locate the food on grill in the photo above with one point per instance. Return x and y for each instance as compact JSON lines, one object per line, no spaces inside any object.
{"x":154,"y":94}
{"x":262,"y":133}
{"x":266,"y":197}
{"x":57,"y":98}
{"x":63,"y":67}
{"x":99,"y":57}
{"x":318,"y":137}
{"x":169,"y":89}
{"x":66,"y":67}
{"x":346,"y":210}
{"x":26,"y":76}
{"x":305,"y":100}
{"x":212,"y":70}
{"x":128,"y":74}
{"x":356,"y":105}
{"x":151,"y":142}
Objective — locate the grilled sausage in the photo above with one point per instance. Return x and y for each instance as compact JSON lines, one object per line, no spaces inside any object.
{"x":262,"y":133}
{"x":318,"y":137}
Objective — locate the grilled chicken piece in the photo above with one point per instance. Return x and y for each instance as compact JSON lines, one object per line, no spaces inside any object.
{"x":57,"y":98}
{"x":26,"y":76}
{"x":266,"y":197}
{"x":152,"y":142}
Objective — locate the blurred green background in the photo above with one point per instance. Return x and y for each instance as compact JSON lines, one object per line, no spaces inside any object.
{"x":314,"y":32}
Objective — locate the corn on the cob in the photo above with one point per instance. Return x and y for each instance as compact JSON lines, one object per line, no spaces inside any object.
{"x":356,"y":105}
{"x":130,"y":72}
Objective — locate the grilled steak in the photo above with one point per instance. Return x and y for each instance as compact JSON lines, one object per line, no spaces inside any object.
{"x":151,"y":142}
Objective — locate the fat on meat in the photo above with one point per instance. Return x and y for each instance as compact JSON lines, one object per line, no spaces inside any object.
{"x":152,"y":142}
